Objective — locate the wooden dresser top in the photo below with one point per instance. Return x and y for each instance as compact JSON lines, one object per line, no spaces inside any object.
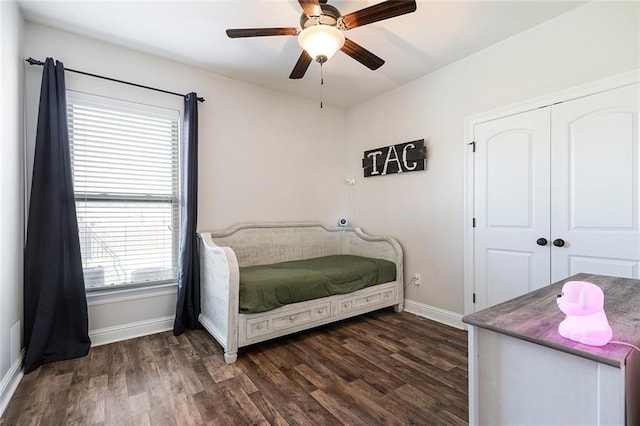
{"x":535,"y":316}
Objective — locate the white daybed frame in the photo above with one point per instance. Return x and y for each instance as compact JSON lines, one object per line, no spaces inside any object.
{"x":222,"y":253}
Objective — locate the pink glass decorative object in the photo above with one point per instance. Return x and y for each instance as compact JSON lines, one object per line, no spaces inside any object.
{"x":586,"y":322}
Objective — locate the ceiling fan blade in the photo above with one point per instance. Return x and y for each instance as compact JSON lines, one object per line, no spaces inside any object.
{"x":301,"y":66}
{"x":261,"y":32}
{"x":362,"y":55}
{"x":311,"y":7}
{"x":378,"y":12}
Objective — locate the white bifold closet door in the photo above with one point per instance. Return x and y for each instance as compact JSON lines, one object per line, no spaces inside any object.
{"x":556,"y":193}
{"x":595,"y":186}
{"x":512,"y":181}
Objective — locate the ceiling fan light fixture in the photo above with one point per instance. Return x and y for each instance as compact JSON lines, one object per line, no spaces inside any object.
{"x":321,"y":42}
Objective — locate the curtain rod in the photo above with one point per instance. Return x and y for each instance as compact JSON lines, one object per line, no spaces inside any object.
{"x":32,"y":61}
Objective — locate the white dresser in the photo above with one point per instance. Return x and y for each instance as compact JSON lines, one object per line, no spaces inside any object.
{"x":522,"y":372}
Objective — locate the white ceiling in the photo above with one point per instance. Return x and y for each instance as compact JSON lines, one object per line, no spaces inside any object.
{"x":437,"y":34}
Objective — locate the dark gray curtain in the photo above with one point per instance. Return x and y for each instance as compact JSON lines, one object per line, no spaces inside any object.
{"x":188,"y":306}
{"x":55,"y":303}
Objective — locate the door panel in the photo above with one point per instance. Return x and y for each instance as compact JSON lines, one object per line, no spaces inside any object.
{"x":594,"y":265}
{"x":505,"y":283}
{"x":511,"y":190}
{"x":595,"y":187}
{"x":601,"y":157}
{"x":509,"y":175}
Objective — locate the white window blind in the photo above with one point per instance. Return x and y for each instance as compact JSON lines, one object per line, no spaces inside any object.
{"x":125,"y":173}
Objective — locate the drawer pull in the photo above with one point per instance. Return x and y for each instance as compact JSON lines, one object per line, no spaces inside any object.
{"x":292,"y":318}
{"x":368,"y":299}
{"x":346,"y":305}
{"x":259,"y":327}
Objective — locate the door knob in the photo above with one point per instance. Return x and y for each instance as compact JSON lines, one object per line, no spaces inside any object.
{"x":558,"y":242}
{"x":541,"y":241}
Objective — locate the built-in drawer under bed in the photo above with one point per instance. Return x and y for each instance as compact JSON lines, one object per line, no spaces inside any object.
{"x":267,"y":287}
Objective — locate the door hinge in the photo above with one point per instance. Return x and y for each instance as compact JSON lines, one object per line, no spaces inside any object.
{"x":473,"y":145}
{"x":473,"y":222}
{"x":474,"y":298}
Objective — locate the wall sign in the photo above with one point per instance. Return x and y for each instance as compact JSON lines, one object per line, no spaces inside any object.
{"x":403,"y":157}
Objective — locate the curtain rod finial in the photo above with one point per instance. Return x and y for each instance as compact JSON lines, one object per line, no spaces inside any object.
{"x":32,"y":61}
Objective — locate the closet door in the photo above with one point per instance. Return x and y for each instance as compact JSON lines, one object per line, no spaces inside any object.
{"x":595,"y":185}
{"x":511,"y":197}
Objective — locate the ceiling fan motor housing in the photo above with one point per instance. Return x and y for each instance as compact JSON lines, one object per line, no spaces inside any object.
{"x":329,"y":17}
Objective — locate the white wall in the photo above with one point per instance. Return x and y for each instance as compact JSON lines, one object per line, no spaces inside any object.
{"x":264,"y":158}
{"x":424,"y":210}
{"x":11,"y":209}
{"x":262,"y":154}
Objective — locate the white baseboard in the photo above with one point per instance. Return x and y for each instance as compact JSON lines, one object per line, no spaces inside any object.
{"x":436,"y":314}
{"x":103,"y":336}
{"x":10,"y":382}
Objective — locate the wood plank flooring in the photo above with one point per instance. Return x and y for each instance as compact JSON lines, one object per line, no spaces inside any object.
{"x":380,"y":368}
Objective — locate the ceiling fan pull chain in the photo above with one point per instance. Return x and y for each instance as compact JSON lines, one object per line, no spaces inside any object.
{"x":321,"y":85}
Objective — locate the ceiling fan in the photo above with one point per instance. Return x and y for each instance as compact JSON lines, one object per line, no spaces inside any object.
{"x":321,"y":30}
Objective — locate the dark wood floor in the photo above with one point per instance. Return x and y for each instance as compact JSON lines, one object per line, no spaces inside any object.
{"x":381,"y":368}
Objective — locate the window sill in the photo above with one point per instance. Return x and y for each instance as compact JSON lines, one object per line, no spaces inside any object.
{"x":111,"y":295}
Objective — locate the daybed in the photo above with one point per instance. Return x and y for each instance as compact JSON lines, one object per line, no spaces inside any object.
{"x":223,"y":254}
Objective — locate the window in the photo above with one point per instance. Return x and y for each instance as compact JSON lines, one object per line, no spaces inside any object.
{"x":125,"y":164}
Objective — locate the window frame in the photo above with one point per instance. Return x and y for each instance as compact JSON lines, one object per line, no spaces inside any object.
{"x":106,"y":102}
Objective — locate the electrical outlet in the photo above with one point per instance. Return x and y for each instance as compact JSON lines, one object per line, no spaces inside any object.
{"x":417,"y":279}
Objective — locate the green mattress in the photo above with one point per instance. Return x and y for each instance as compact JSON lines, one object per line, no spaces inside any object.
{"x":266,"y":287}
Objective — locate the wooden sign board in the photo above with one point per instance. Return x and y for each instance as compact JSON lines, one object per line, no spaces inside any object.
{"x":403,"y":157}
